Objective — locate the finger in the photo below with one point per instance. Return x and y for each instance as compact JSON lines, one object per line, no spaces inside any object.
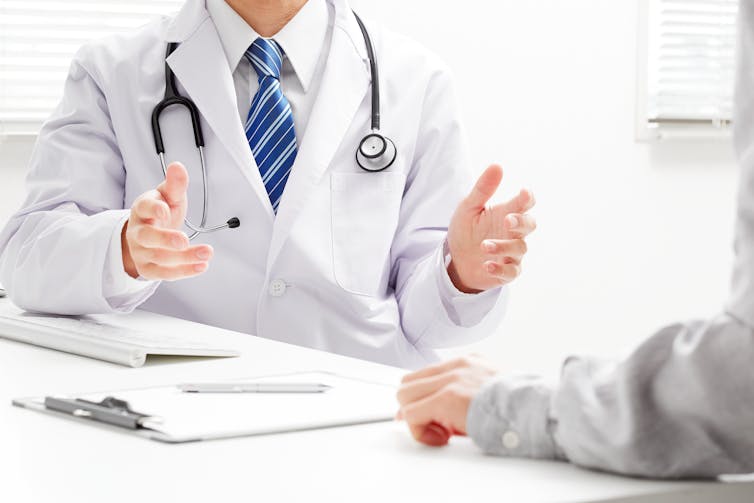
{"x":173,"y":189}
{"x":150,"y":236}
{"x":510,"y":260}
{"x":427,"y":410}
{"x":421,"y":388}
{"x":154,"y":271}
{"x":172,"y":258}
{"x":431,"y":434}
{"x":484,"y":188}
{"x":151,"y":207}
{"x":504,"y":273}
{"x":502,"y":248}
{"x":437,"y":368}
{"x":520,"y":225}
{"x":521,"y":203}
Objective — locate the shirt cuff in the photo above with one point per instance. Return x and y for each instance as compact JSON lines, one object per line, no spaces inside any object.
{"x":464,"y":309}
{"x":117,"y":284}
{"x":510,"y":416}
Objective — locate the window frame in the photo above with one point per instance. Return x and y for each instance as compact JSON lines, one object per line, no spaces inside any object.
{"x":30,"y":126}
{"x":648,"y":130}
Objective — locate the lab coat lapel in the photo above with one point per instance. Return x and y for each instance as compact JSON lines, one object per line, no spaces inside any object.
{"x":344,"y":85}
{"x":201,"y":68}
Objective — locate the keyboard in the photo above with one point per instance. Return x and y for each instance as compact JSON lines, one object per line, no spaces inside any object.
{"x":91,"y":337}
{"x":101,"y":331}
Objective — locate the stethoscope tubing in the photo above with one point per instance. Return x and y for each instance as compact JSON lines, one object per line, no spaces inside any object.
{"x":173,"y":97}
{"x":197,"y":229}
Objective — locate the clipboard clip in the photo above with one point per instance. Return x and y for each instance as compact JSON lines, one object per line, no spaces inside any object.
{"x":111,"y":410}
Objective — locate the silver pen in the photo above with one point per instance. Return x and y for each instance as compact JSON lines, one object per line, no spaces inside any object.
{"x":253,"y":387}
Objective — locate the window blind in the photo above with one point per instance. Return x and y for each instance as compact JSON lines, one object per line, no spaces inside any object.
{"x":38,"y":39}
{"x":691,"y":60}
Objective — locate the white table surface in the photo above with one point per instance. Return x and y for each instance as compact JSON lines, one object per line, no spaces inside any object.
{"x":46,"y":459}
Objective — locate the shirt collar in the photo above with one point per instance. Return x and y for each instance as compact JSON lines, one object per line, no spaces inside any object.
{"x":302,"y":38}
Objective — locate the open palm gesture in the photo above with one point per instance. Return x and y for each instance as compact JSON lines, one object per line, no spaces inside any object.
{"x":487,"y":243}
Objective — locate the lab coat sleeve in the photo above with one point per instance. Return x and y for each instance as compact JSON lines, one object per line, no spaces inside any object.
{"x":465,"y":309}
{"x":680,"y":406}
{"x":54,"y":249}
{"x":433,"y":313}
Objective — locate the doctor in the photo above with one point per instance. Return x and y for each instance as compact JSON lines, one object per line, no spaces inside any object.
{"x":378,"y":254}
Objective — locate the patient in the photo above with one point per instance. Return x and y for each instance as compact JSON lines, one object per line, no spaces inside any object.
{"x":681,"y":405}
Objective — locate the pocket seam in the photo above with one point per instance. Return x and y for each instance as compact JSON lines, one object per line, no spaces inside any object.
{"x":386,"y":187}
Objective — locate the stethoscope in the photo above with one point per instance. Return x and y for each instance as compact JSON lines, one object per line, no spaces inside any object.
{"x":376,"y":152}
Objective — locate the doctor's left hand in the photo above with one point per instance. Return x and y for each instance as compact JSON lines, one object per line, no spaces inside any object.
{"x":487,"y":243}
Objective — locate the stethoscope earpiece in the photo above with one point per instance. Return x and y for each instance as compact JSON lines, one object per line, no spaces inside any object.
{"x":375,"y":153}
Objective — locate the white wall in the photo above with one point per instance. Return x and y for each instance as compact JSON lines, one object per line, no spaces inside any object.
{"x":631,"y":235}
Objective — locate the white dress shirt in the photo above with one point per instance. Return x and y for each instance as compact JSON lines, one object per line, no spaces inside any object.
{"x":306,"y":43}
{"x":305,"y":39}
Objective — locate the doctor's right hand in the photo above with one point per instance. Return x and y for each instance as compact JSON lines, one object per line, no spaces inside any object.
{"x":153,"y":246}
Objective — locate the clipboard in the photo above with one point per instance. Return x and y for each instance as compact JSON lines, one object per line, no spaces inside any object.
{"x":167,"y":414}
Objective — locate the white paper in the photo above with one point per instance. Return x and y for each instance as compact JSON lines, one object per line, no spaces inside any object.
{"x":194,"y":416}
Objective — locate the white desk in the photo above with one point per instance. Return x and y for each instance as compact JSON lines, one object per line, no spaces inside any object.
{"x":45,"y":459}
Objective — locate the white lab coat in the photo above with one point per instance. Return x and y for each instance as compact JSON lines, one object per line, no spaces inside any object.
{"x":352,"y":261}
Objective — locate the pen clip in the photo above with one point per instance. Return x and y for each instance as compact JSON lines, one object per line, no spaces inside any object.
{"x":111,"y":410}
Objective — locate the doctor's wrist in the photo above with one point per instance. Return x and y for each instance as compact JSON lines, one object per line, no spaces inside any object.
{"x":455,"y":278}
{"x":128,"y":263}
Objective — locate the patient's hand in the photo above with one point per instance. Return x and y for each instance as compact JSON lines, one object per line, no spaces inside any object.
{"x":153,"y":246}
{"x":435,"y":400}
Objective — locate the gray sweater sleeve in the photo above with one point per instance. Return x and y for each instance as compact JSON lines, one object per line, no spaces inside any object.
{"x":682,"y":404}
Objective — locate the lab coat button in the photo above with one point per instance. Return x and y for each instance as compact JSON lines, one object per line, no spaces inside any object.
{"x":511,"y":440}
{"x":277,"y":287}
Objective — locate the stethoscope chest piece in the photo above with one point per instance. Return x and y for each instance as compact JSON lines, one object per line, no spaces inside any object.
{"x":375,"y":152}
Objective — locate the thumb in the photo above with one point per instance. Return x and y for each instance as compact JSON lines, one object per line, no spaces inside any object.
{"x":173,"y":189}
{"x":435,"y":435}
{"x":484,"y":188}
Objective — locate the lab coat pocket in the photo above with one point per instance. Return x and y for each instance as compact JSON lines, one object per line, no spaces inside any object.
{"x":365,"y":211}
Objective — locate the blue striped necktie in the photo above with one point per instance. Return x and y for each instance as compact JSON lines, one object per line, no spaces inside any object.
{"x":269,"y":125}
